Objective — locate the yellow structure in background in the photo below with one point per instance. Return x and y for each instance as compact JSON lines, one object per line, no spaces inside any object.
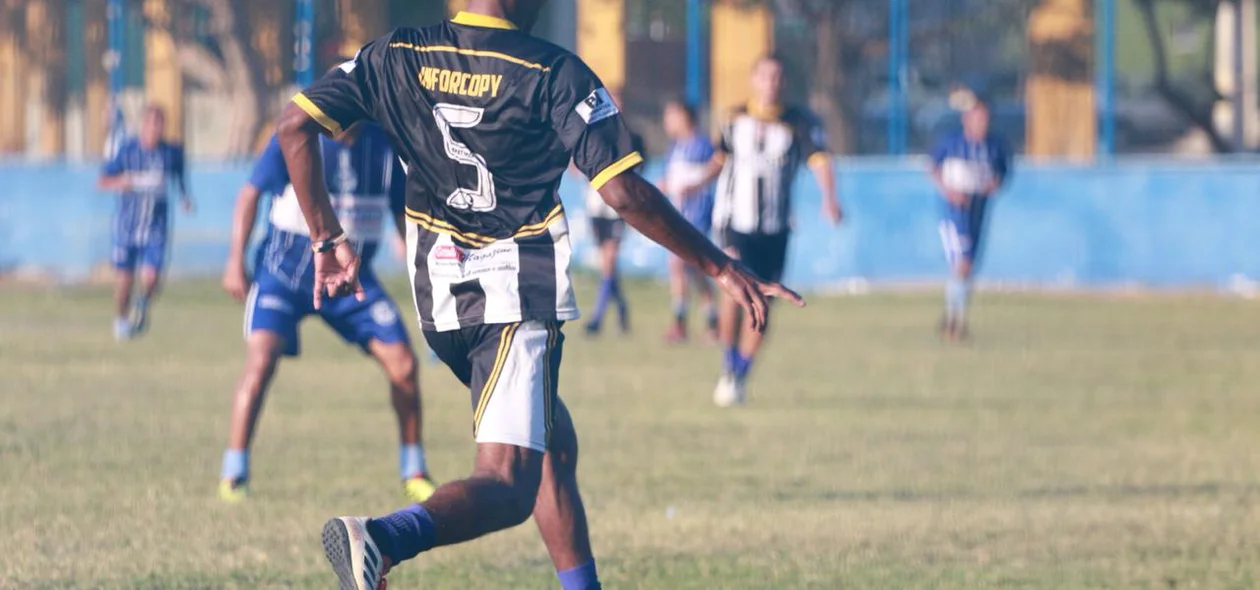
{"x":164,"y":81}
{"x":739,"y":37}
{"x":361,"y":21}
{"x":12,"y":83}
{"x":1060,"y":86}
{"x":601,"y":40}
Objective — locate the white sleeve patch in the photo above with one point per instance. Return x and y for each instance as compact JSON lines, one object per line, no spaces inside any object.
{"x":597,"y":107}
{"x":348,"y":67}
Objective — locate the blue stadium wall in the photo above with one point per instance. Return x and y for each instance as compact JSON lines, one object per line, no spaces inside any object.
{"x":1159,"y":224}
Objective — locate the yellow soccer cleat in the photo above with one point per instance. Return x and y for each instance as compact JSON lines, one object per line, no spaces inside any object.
{"x":418,"y":489}
{"x":233,"y":491}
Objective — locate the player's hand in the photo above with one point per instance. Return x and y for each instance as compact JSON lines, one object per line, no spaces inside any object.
{"x":188,"y":205}
{"x":337,"y":274}
{"x":752,"y":293}
{"x":833,"y":212}
{"x":234,"y":281}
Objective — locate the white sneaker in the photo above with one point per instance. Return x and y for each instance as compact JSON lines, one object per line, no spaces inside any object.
{"x":352,"y":553}
{"x":122,"y":330}
{"x":727,"y":393}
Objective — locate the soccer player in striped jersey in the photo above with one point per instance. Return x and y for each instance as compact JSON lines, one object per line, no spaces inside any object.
{"x":968,"y":167}
{"x":486,"y":119}
{"x":368,"y":182}
{"x":689,"y":156}
{"x":759,"y":154}
{"x":141,"y":172}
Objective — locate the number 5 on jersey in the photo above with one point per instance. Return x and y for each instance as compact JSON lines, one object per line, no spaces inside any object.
{"x":481,"y":198}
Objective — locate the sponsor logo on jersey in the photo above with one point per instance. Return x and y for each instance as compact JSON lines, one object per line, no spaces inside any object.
{"x":461,"y":83}
{"x":448,"y":252}
{"x":597,"y":106}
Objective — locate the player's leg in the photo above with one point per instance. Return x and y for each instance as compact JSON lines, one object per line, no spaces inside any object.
{"x":124,"y":278}
{"x":678,"y":295}
{"x":765,"y":255}
{"x":964,"y":269}
{"x":271,"y":319}
{"x":708,"y":298}
{"x":375,"y":325}
{"x":559,"y":513}
{"x":956,"y":244}
{"x":608,"y":234}
{"x":509,"y":370}
{"x":729,"y":320}
{"x":152,"y":264}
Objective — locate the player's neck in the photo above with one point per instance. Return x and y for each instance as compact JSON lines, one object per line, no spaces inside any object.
{"x":760,"y":108}
{"x":490,"y":8}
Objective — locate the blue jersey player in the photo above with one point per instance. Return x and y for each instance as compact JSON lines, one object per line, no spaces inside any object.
{"x":689,"y":155}
{"x":141,"y":172}
{"x":367,"y":183}
{"x":968,"y":167}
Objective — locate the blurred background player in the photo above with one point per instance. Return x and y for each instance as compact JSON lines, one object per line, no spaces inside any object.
{"x":141,"y":171}
{"x":609,"y":229}
{"x":760,"y":151}
{"x":685,"y":166}
{"x":367,"y":184}
{"x":968,"y":167}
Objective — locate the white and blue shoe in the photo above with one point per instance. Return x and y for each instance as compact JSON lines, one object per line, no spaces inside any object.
{"x":122,"y":330}
{"x":353,"y":554}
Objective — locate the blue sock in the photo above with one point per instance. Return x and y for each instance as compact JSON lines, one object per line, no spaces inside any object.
{"x":235,"y":465}
{"x":743,"y":364}
{"x":142,"y":303}
{"x":411,"y":461}
{"x":582,"y":577}
{"x":619,"y":299}
{"x":680,"y":311}
{"x":606,"y":288}
{"x":731,"y":360}
{"x":957,"y":292}
{"x":404,"y":534}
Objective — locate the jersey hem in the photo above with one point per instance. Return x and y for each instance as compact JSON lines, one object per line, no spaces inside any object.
{"x":565,"y":315}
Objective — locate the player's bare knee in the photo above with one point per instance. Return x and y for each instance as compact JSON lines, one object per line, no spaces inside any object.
{"x":519,"y":470}
{"x":401,"y":367}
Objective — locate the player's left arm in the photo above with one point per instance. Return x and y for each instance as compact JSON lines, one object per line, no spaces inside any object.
{"x":813,"y":136}
{"x":334,"y":103}
{"x":1001,"y":168}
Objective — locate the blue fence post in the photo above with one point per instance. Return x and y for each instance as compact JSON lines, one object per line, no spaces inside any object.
{"x":114,"y":59}
{"x":304,"y":42}
{"x":898,"y":54}
{"x":696,"y":42}
{"x":1105,"y":44}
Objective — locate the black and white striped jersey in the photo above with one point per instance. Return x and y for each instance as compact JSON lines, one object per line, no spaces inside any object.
{"x":486,"y":119}
{"x":763,"y":152}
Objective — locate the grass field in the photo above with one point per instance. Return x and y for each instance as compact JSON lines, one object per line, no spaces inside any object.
{"x":1078,"y":443}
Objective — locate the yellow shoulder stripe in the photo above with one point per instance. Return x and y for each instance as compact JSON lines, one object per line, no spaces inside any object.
{"x":473,"y":52}
{"x":629,"y":161}
{"x":317,"y":113}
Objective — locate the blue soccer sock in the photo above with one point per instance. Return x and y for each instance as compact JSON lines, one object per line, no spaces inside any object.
{"x":411,"y":462}
{"x":680,"y":310}
{"x":235,"y":465}
{"x":607,"y":288}
{"x":743,"y":364}
{"x":619,"y":299}
{"x":957,"y":294}
{"x":404,"y":534}
{"x":582,"y":577}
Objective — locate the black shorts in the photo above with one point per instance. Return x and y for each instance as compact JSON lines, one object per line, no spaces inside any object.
{"x":764,"y":254}
{"x":607,"y":229}
{"x":512,"y":371}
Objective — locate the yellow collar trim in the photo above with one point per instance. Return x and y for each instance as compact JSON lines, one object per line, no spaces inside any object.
{"x":771,"y":112}
{"x":473,"y":19}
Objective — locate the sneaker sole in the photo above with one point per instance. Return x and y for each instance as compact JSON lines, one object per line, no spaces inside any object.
{"x":340,"y":555}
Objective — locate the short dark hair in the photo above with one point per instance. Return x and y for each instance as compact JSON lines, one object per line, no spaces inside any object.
{"x":686,"y":107}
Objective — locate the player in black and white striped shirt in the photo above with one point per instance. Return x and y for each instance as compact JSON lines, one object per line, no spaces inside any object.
{"x":759,"y":154}
{"x":486,"y":119}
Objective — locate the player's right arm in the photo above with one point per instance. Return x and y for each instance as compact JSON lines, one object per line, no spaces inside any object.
{"x":334,"y":103}
{"x":269,"y":176}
